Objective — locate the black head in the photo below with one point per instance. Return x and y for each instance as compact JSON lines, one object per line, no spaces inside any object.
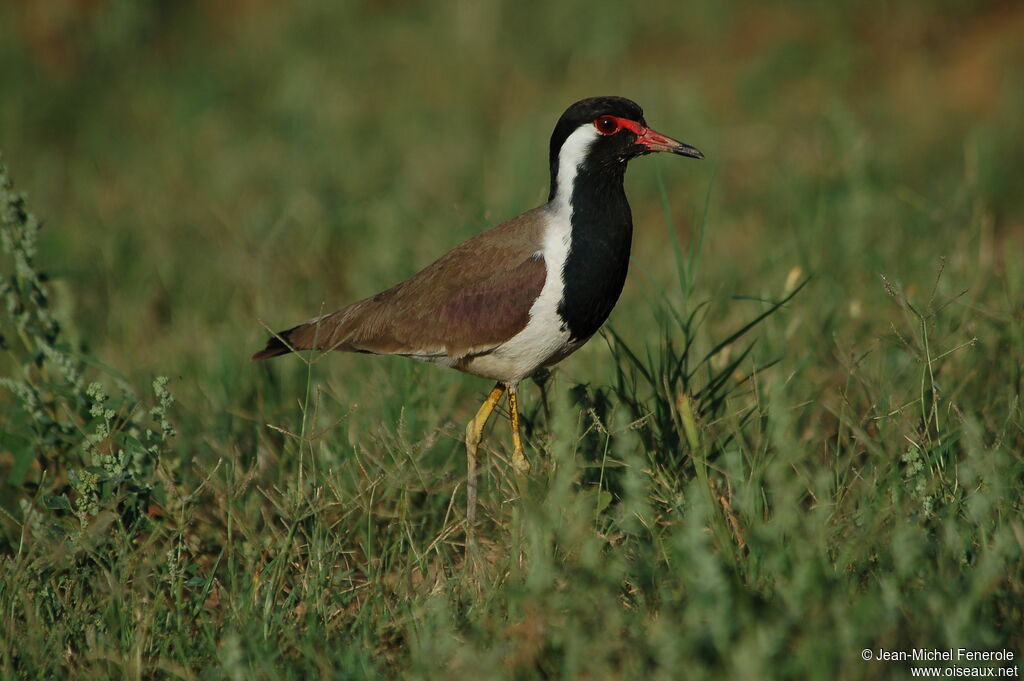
{"x":614,"y":131}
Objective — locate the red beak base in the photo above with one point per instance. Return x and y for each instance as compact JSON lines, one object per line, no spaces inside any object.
{"x":653,"y":140}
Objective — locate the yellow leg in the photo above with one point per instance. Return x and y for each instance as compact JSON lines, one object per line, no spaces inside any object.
{"x":519,"y":461}
{"x":474,"y":431}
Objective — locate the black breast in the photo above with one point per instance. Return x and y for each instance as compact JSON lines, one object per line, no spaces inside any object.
{"x":595,"y":270}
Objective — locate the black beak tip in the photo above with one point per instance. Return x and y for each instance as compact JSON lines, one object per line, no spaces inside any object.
{"x":687,"y":150}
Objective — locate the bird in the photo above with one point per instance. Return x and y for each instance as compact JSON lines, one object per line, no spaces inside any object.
{"x":522,"y":295}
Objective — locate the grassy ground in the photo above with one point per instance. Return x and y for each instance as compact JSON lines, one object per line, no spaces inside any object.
{"x":711,"y":497}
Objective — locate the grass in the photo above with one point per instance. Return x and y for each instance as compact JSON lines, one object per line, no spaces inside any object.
{"x":800,"y":435}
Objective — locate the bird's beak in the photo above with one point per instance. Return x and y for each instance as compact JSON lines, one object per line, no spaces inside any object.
{"x":655,"y":141}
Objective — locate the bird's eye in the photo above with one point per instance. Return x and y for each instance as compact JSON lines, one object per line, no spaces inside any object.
{"x":606,"y":125}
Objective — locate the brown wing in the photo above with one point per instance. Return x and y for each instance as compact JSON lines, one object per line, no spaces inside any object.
{"x":469,"y":301}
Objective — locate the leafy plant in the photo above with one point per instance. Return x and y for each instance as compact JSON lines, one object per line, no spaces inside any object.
{"x":86,"y":450}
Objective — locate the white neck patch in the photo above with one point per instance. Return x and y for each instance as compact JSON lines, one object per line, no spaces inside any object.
{"x":546,"y":337}
{"x":570,"y":158}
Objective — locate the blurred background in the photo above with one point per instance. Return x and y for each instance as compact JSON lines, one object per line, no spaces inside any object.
{"x":201,"y":166}
{"x":209,"y":171}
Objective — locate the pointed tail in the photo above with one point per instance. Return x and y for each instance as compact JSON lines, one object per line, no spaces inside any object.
{"x":327,"y":332}
{"x":283,"y":342}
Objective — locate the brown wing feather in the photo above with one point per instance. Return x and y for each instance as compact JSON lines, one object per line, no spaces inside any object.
{"x":470,"y":300}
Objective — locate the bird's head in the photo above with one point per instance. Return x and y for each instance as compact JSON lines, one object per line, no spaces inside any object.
{"x":605,"y":133}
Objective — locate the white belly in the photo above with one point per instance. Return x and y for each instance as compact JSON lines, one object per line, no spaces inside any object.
{"x":545,"y":338}
{"x":521,"y":356}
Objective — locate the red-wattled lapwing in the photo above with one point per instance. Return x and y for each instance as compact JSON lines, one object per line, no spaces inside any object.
{"x":524,"y":294}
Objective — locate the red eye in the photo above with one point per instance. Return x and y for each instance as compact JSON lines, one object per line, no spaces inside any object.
{"x":607,"y":125}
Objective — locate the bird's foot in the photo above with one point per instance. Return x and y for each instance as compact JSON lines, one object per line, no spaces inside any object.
{"x":519,"y":462}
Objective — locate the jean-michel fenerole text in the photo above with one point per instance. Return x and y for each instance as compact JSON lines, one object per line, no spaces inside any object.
{"x":948,"y":654}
